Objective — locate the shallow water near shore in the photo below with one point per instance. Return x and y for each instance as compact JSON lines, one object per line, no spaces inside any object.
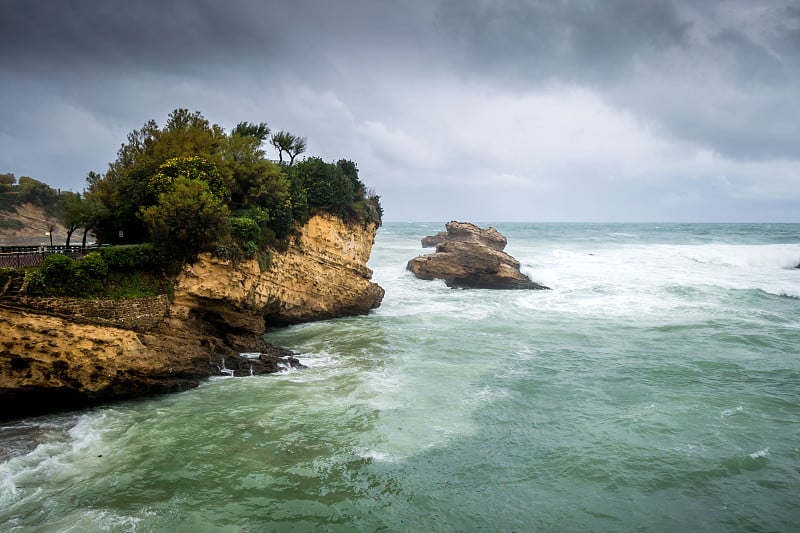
{"x":656,"y":387}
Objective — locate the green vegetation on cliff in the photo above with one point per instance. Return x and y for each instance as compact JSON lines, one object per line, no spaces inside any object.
{"x":190,"y":187}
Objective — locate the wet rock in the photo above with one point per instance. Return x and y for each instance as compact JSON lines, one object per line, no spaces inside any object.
{"x":472,"y":257}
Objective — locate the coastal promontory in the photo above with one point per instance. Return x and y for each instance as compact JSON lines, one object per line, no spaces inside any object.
{"x":58,"y":353}
{"x":192,"y":244}
{"x":469,"y":257}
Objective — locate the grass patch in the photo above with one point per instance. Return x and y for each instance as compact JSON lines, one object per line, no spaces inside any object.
{"x":125,"y":285}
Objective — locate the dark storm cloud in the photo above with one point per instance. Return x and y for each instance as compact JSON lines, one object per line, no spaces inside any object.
{"x":176,"y":36}
{"x":532,"y":41}
{"x":172,"y":36}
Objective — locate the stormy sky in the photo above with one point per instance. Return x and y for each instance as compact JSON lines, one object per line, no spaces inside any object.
{"x":480,"y":110}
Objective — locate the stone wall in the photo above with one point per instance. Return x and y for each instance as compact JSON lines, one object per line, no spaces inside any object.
{"x":137,"y":314}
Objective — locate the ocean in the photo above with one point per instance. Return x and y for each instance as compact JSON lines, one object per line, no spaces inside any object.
{"x":656,"y":387}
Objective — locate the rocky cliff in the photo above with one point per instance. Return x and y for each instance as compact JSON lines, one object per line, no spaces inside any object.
{"x":322,"y":275}
{"x":56,"y":355}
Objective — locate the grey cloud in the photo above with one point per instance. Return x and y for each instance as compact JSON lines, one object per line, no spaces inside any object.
{"x":728,"y":83}
{"x":530,"y":40}
{"x":173,"y":35}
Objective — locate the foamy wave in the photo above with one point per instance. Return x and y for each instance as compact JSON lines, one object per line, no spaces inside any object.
{"x":729,"y":412}
{"x":22,"y":476}
{"x":759,"y":454}
{"x":98,"y":520}
{"x":378,"y":456}
{"x":746,"y":256}
{"x":88,"y":430}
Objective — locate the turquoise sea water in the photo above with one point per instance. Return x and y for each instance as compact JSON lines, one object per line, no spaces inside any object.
{"x":656,"y":387}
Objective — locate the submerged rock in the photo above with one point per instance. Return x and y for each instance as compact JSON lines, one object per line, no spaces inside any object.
{"x":471,"y":257}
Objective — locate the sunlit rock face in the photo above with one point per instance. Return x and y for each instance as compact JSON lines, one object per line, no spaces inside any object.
{"x":323,"y":274}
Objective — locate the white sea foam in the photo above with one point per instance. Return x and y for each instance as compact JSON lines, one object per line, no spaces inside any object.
{"x":746,"y":256}
{"x":760,"y":454}
{"x":378,"y":456}
{"x":97,"y":520}
{"x":733,"y":411}
{"x":639,"y":280}
{"x":22,"y":476}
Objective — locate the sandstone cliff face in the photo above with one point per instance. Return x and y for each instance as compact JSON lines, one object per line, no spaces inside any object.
{"x":322,"y":275}
{"x":53,"y":357}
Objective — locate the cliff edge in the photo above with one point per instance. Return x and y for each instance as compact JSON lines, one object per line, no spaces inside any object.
{"x":58,"y":353}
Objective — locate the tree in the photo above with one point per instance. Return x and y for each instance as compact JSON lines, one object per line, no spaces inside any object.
{"x":93,"y":212}
{"x":36,"y":192}
{"x":259,"y":131}
{"x":193,"y":168}
{"x":70,"y":212}
{"x":350,"y":170}
{"x":7,"y":193}
{"x":125,"y":187}
{"x":7,"y":182}
{"x":92,"y":179}
{"x":283,"y":141}
{"x":187,"y":219}
{"x":50,"y":224}
{"x":327,"y":186}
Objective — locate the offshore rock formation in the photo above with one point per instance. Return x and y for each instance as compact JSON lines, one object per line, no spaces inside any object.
{"x":470,"y":257}
{"x":54,"y":357}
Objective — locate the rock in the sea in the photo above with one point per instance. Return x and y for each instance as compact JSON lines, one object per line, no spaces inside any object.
{"x":470,"y":257}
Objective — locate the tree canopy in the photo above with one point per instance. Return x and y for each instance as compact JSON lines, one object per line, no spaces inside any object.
{"x":192,"y":186}
{"x":292,"y":145}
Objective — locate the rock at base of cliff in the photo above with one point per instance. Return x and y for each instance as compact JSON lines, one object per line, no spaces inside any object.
{"x":469,"y":257}
{"x":51,"y":363}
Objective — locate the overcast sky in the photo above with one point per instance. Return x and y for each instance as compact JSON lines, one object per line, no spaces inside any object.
{"x":485,"y":110}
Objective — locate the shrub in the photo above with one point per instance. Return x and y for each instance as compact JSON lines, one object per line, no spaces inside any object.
{"x":132,"y":257}
{"x":34,"y":283}
{"x":264,"y":260}
{"x":57,"y":272}
{"x":5,"y":275}
{"x":245,"y":229}
{"x":89,"y":275}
